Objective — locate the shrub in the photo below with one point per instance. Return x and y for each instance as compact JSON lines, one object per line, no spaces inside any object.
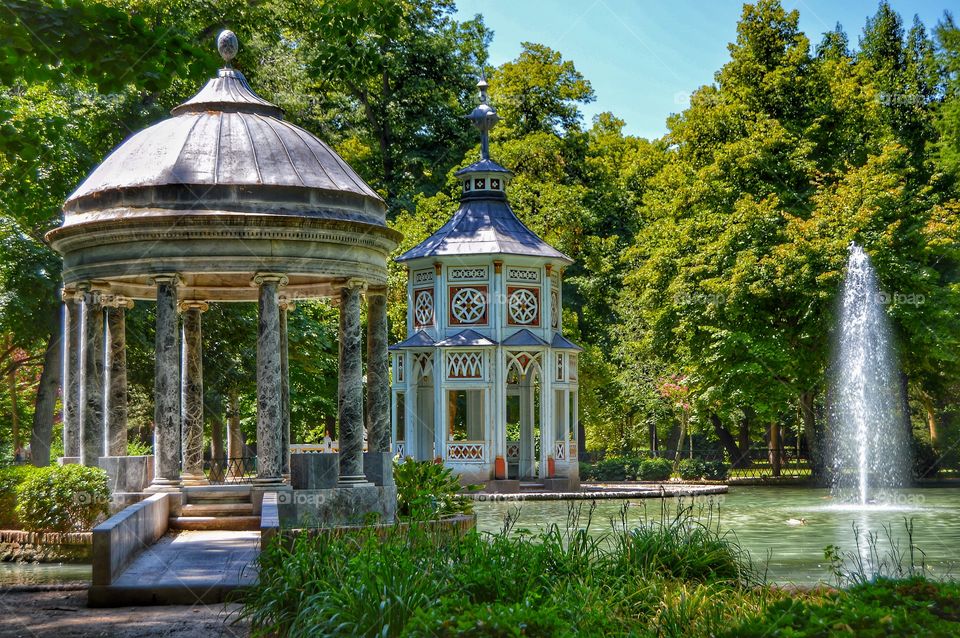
{"x":69,"y":498}
{"x":715,"y":470}
{"x":10,"y":480}
{"x":926,"y":460}
{"x":913,"y":607}
{"x":608,"y":469}
{"x":136,"y":447}
{"x":457,"y":617}
{"x":698,"y":469}
{"x":691,"y":469}
{"x":654,"y":470}
{"x":428,"y":490}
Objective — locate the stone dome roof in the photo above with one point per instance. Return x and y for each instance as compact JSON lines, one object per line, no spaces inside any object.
{"x":219,"y":192}
{"x":227,"y":138}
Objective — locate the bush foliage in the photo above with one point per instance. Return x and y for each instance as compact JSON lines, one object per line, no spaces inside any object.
{"x":428,"y":491}
{"x":10,"y":480}
{"x":626,"y":468}
{"x":69,"y":498}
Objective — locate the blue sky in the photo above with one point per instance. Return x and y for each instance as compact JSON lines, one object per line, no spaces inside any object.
{"x":644,"y":57}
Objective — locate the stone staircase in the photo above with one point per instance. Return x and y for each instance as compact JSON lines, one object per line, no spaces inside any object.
{"x":531,"y":486}
{"x":216,"y":507}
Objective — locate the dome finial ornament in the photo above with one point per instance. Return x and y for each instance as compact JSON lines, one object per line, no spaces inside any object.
{"x":484,"y":117}
{"x":227,"y":45}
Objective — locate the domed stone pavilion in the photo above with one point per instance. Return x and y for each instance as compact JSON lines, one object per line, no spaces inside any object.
{"x":225,"y":201}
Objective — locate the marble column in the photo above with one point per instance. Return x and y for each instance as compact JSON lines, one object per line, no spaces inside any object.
{"x":378,"y":375}
{"x":115,"y":406}
{"x":350,"y":387}
{"x":285,"y":307}
{"x":269,"y":391}
{"x":166,"y":387}
{"x":91,"y":398}
{"x":191,"y":394}
{"x":72,"y":336}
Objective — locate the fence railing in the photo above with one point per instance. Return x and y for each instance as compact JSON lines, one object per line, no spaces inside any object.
{"x":236,"y":470}
{"x":754,"y":464}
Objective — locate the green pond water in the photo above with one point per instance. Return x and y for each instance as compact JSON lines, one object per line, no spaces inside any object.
{"x":787,"y":529}
{"x":42,"y":573}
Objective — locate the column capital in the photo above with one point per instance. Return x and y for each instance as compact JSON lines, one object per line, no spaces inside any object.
{"x":193,"y":304}
{"x":269,"y":278}
{"x":351,"y":284}
{"x":376,"y":291}
{"x":117,"y":301}
{"x":437,"y":268}
{"x":71,"y":294}
{"x":165,"y":278}
{"x":287,"y":304}
{"x":497,"y":266}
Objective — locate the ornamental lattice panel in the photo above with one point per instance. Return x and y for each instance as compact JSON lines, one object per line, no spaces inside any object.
{"x":465,"y":451}
{"x":464,"y":365}
{"x":468,"y":305}
{"x":559,"y":450}
{"x":423,"y":307}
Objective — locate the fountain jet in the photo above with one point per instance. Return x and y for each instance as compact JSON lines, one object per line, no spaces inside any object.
{"x":869,"y":434}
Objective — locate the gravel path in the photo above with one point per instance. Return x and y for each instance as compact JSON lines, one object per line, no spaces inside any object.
{"x":64,"y":614}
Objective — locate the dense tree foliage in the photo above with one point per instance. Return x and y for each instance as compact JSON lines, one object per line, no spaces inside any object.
{"x":707,"y":261}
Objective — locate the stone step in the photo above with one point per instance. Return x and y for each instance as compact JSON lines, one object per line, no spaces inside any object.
{"x":217,"y":509}
{"x":218,"y":494}
{"x":198,"y":523}
{"x":533,"y":487}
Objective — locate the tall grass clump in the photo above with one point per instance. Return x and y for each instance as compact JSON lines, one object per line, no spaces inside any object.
{"x":565,"y":580}
{"x":686,"y":543}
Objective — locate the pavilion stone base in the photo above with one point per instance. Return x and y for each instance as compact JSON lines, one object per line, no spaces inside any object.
{"x":556,"y":484}
{"x":127,"y":473}
{"x":502,"y":486}
{"x":314,"y":471}
{"x":257,"y":492}
{"x":68,"y":460}
{"x":338,"y":506}
{"x":378,"y":467}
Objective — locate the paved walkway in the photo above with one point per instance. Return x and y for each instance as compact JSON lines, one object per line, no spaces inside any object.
{"x":185,"y":568}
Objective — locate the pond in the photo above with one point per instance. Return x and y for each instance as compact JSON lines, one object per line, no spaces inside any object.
{"x":42,"y":573}
{"x":787,"y":528}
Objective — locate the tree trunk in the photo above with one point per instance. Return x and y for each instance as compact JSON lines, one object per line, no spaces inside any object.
{"x":14,"y":401}
{"x":234,"y":436}
{"x":46,"y":403}
{"x":930,"y":415}
{"x":683,"y":435}
{"x":774,"y":450}
{"x":215,"y":412}
{"x":812,"y":433}
{"x":738,"y":458}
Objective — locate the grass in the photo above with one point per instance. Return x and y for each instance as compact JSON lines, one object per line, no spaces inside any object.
{"x":674,"y":574}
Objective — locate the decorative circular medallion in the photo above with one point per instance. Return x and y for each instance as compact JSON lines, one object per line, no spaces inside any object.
{"x":468,"y":305}
{"x":423,"y":308}
{"x":523,"y":306}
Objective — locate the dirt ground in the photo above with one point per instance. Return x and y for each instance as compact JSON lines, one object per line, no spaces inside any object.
{"x":64,"y":614}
